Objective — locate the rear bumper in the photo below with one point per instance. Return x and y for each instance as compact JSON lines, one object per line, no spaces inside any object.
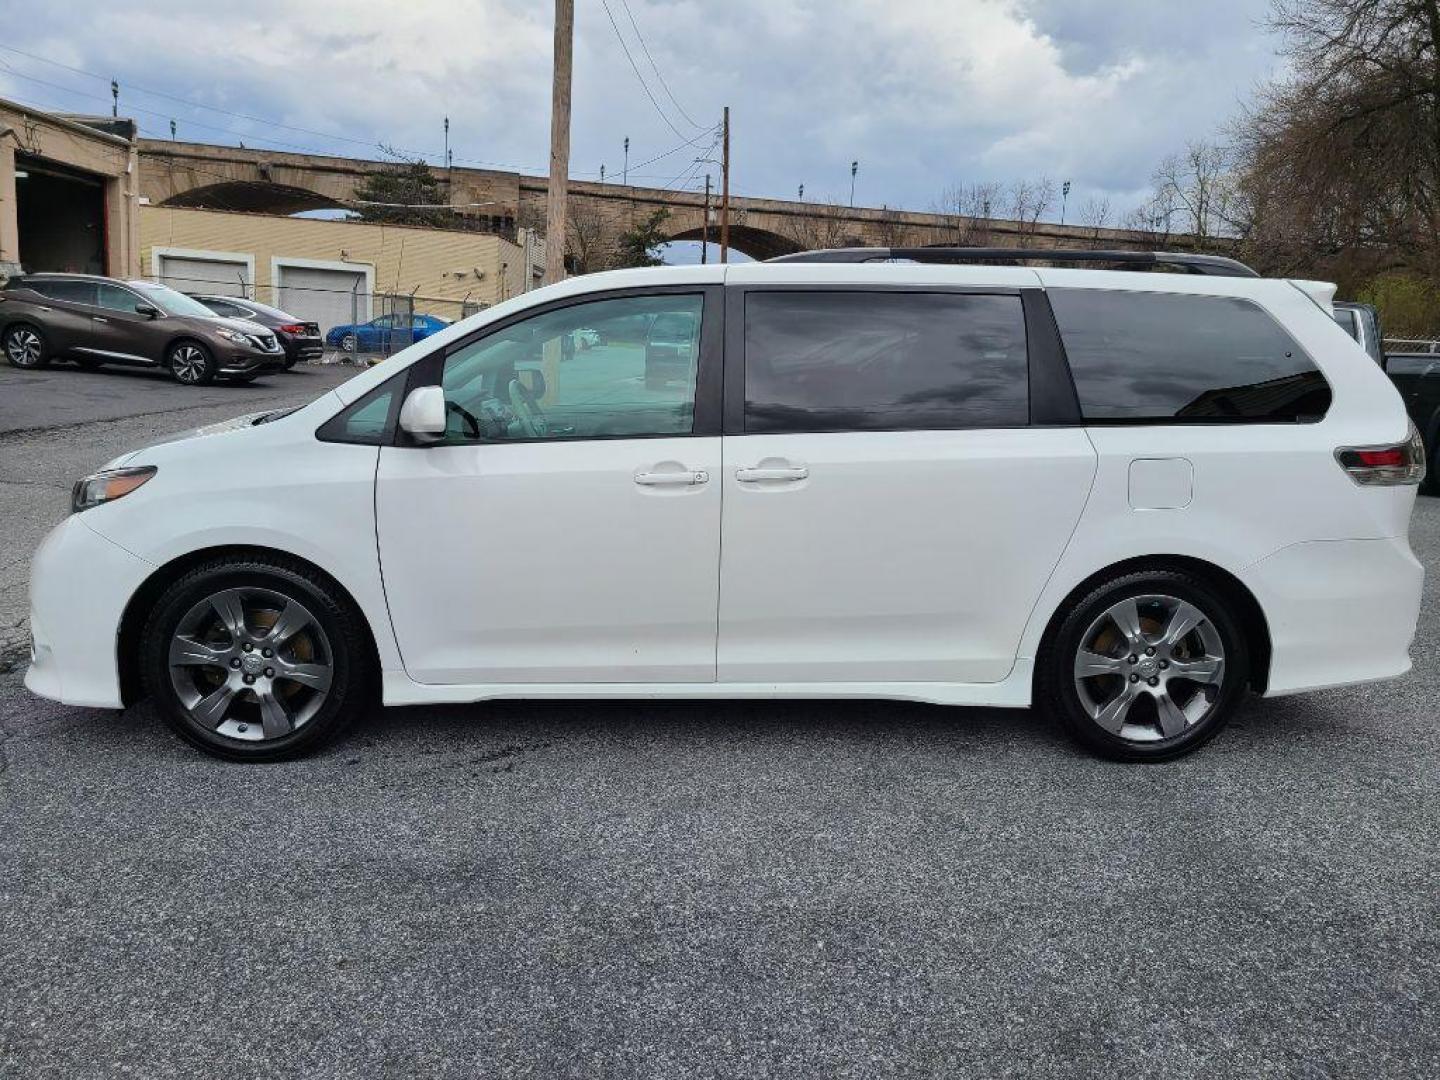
{"x":79,"y":586}
{"x":1339,"y":611}
{"x":298,"y":348}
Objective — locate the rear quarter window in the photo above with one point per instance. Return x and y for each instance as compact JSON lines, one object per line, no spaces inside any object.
{"x":1166,"y":357}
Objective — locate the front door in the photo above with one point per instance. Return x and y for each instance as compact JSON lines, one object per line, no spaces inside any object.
{"x":890,"y":514}
{"x":567,"y":527}
{"x":122,"y":332}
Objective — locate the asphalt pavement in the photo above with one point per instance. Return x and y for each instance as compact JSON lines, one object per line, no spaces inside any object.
{"x":751,"y":889}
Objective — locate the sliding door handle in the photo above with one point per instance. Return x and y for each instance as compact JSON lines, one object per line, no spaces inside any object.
{"x":686,"y":477}
{"x":757,"y":473}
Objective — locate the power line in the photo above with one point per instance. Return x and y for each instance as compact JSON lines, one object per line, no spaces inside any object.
{"x":641,"y":38}
{"x":636,"y":68}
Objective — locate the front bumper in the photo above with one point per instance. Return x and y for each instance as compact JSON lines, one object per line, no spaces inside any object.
{"x":79,"y":586}
{"x":1339,"y":611}
{"x":249,"y":362}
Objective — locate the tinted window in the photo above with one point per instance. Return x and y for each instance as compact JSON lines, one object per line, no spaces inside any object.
{"x":1162,"y":356}
{"x":852,"y":361}
{"x":1346,"y":318}
{"x":118,"y":299}
{"x":220,"y":307}
{"x":583,"y":371}
{"x":72,"y":292}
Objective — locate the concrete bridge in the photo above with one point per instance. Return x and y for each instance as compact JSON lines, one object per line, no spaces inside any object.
{"x":267,"y":181}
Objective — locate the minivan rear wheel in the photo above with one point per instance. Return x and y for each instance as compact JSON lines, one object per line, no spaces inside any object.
{"x":1145,"y":667}
{"x":256,"y":660}
{"x":24,"y":346}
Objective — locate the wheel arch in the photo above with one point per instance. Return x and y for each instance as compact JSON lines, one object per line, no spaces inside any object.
{"x":1247,"y":608}
{"x":137,"y":609}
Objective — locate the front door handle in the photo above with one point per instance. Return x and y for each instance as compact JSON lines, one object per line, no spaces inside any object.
{"x":758,"y":473}
{"x":97,"y":318}
{"x":688,"y":477}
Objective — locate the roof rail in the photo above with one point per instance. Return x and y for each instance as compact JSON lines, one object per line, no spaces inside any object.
{"x":1216,"y":265}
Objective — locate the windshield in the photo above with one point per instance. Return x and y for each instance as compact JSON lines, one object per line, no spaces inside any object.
{"x":172,"y":302}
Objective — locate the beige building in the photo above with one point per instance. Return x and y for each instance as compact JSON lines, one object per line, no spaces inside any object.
{"x":333,"y":271}
{"x":68,"y":192}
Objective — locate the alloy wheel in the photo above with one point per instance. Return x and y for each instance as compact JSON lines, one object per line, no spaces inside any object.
{"x":23,"y":347}
{"x":250,"y":663}
{"x":349,"y":343}
{"x":1149,"y":668}
{"x":188,"y":363}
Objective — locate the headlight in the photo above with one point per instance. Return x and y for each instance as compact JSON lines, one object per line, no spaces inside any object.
{"x":233,"y":335}
{"x":103,"y":487}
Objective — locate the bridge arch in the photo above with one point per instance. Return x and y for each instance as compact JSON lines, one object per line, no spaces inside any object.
{"x":759,"y":244}
{"x":255,"y":197}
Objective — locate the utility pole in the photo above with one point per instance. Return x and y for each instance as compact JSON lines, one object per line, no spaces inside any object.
{"x":625,"y":172}
{"x":115,"y":98}
{"x":559,"y":142}
{"x":705,"y":226}
{"x":854,"y":168}
{"x":725,"y":193}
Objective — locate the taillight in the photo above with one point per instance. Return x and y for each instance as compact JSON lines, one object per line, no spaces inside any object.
{"x":291,"y":328}
{"x":1399,"y":463}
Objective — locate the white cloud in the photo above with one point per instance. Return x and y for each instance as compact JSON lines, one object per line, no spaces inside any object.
{"x":924,"y":94}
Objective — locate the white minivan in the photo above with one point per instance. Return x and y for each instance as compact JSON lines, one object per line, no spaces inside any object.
{"x":1127,"y":496}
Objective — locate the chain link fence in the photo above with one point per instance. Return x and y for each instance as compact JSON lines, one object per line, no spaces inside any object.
{"x":356,"y":325}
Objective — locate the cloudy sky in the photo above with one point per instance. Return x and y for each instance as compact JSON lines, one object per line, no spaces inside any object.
{"x":925,"y":94}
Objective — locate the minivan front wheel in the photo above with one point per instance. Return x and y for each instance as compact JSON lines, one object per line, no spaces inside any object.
{"x":191,"y":363}
{"x":254,"y":660}
{"x":1146,"y":667}
{"x":24,"y":346}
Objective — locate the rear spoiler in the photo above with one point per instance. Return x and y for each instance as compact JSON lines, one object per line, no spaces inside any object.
{"x":1322,"y":292}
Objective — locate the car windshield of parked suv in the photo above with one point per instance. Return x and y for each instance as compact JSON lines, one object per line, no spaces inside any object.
{"x":172,"y":302}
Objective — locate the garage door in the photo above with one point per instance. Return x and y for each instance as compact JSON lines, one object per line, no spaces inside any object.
{"x":219,"y":277}
{"x":328,"y":297}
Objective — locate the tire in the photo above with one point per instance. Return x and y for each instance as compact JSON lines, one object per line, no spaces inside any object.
{"x":1113,"y":699}
{"x":191,"y":363}
{"x":349,"y":343}
{"x":24,"y":346}
{"x":210,"y":631}
{"x":290,"y":362}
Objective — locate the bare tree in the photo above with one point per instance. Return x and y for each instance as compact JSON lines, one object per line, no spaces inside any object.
{"x":1027,"y":201}
{"x":586,"y":249}
{"x":972,"y":208}
{"x":1200,"y":191}
{"x":1095,"y":215}
{"x":825,"y":225}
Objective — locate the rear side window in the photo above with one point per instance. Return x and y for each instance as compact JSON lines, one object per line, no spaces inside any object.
{"x":883,"y":361}
{"x":74,"y":292}
{"x":1165,"y":357}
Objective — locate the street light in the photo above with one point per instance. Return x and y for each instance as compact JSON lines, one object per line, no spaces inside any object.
{"x":854,"y":168}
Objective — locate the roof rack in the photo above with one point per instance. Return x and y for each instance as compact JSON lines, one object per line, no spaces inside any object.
{"x":1215,"y":265}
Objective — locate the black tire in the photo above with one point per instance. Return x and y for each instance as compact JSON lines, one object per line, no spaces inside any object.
{"x":291,"y":361}
{"x":349,"y":343}
{"x":344,"y":647}
{"x":1056,"y":676}
{"x":24,"y":346}
{"x":191,"y":363}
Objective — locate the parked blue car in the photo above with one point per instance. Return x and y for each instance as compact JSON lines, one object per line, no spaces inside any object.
{"x":388,"y":333}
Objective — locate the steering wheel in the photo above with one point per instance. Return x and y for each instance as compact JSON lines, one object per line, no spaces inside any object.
{"x":471,"y":420}
{"x":527,"y":410}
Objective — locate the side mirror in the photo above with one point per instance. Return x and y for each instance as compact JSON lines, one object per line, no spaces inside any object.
{"x":150,"y":311}
{"x":422,"y":416}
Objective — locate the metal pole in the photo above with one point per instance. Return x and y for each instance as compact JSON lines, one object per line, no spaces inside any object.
{"x":115,"y":95}
{"x":559,"y":142}
{"x":625,"y":173}
{"x":854,"y":168}
{"x":705,"y":226}
{"x":725,"y":193}
{"x":1064,"y":199}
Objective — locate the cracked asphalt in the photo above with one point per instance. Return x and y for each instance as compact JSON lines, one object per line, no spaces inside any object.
{"x":699,"y":889}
